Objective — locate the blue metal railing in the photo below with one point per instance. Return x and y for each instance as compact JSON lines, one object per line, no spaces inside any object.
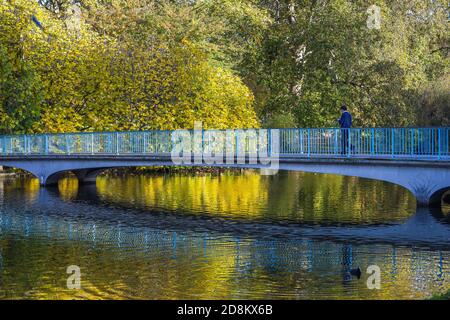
{"x":399,"y":143}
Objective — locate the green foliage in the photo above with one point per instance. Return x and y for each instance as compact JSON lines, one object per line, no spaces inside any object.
{"x":20,"y":95}
{"x":320,"y":54}
{"x":282,"y":120}
{"x":433,"y":107}
{"x":150,"y":64}
{"x":20,"y":85}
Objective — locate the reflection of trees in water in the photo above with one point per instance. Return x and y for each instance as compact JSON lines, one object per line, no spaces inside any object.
{"x":123,"y":255}
{"x":321,"y":198}
{"x":93,"y":198}
{"x":143,"y":262}
{"x":446,"y":206}
{"x":294,"y":196}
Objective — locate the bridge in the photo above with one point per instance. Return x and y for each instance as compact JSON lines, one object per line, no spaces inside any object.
{"x":416,"y":158}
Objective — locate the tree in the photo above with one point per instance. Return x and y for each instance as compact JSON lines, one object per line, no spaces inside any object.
{"x":95,"y":74}
{"x":20,"y":94}
{"x":83,"y":65}
{"x":321,"y":53}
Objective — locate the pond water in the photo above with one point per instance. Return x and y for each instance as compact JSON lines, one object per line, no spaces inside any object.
{"x":220,"y":236}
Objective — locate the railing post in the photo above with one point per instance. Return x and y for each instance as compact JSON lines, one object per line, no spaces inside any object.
{"x":92,"y":143}
{"x":67,"y":144}
{"x":439,"y":143}
{"x":349,"y":140}
{"x":392,"y":142}
{"x":308,"y":142}
{"x":372,"y":147}
{"x":236,"y":141}
{"x":29,"y":145}
{"x":144,"y":141}
{"x":4,"y":145}
{"x":46,"y":144}
{"x":203,"y":143}
{"x":446,"y":142}
{"x":336,"y":142}
{"x":300,"y":132}
{"x":117,"y":143}
{"x":25,"y":144}
{"x":433,"y":136}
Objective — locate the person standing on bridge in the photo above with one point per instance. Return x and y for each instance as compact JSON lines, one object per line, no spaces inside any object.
{"x":345,"y":122}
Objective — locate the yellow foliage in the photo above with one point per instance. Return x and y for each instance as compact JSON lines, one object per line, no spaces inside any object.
{"x":96,"y":82}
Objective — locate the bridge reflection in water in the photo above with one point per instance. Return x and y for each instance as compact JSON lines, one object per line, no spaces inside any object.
{"x":238,"y":251}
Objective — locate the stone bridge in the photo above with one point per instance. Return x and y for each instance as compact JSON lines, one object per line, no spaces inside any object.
{"x":416,"y":158}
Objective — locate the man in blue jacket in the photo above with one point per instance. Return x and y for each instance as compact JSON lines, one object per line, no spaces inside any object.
{"x":345,"y":122}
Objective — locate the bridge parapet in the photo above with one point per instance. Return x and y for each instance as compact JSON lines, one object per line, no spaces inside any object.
{"x":394,"y":143}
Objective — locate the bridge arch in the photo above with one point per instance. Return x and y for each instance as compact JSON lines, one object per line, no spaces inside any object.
{"x":88,"y":176}
{"x":22,"y":167}
{"x":438,"y":195}
{"x":84,"y":176}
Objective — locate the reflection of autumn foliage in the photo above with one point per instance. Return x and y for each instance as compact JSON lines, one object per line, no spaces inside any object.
{"x":292,"y":196}
{"x":218,"y":268}
{"x":177,"y":265}
{"x":68,"y":188}
{"x":227,"y":194}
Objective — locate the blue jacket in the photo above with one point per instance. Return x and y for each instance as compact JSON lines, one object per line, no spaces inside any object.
{"x":346,"y":120}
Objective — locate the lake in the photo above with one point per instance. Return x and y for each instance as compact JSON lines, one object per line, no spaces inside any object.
{"x":229,"y":235}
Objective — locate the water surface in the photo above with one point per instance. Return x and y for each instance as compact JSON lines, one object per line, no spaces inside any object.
{"x":231,"y":236}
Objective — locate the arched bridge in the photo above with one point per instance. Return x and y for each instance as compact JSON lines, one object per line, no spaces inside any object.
{"x":415,"y":158}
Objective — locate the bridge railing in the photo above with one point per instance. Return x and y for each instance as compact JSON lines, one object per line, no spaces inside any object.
{"x":380,"y":142}
{"x":417,"y":143}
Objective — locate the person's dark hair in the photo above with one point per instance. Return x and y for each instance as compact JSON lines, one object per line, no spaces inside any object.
{"x":344,"y":107}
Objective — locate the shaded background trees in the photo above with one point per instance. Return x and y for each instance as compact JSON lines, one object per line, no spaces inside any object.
{"x":77,"y":65}
{"x":320,"y":54}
